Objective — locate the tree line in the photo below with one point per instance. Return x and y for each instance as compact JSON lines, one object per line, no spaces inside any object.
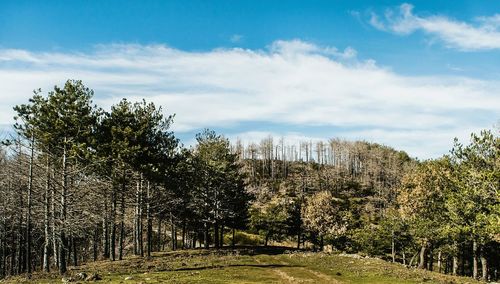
{"x":81,"y":184}
{"x":441,"y":214}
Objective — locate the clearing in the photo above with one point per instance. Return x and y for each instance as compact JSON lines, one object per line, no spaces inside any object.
{"x":247,"y":265}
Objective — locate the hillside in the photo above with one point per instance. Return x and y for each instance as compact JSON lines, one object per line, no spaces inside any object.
{"x":247,"y":265}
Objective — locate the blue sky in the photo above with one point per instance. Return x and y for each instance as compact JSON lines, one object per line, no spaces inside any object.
{"x":411,"y":75}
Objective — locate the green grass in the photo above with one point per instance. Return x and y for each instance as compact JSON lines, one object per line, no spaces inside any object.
{"x":249,"y":265}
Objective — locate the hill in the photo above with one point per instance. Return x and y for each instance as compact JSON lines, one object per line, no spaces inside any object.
{"x":246,"y":265}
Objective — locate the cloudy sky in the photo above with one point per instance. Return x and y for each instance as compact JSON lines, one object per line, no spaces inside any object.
{"x":411,"y":75}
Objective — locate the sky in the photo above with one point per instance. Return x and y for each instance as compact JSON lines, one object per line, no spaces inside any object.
{"x":410,"y":75}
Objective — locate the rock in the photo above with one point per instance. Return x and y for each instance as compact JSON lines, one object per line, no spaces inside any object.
{"x":357,"y":256}
{"x":81,"y":276}
{"x":93,"y":277}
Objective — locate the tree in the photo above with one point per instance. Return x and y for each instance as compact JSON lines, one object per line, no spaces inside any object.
{"x":63,"y":124}
{"x":474,"y":204}
{"x":422,"y":200}
{"x":324,"y":214}
{"x":224,"y":197}
{"x":269,"y":219}
{"x":134,"y":138}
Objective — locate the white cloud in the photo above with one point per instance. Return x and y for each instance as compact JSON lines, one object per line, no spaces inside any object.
{"x":293,"y":83}
{"x":375,"y":21}
{"x":298,"y":47}
{"x":236,"y":38}
{"x":482,"y":34}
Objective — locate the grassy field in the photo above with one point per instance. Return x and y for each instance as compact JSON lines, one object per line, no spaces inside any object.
{"x":248,"y":265}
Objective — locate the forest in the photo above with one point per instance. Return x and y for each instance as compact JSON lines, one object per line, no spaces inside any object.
{"x":80,"y":184}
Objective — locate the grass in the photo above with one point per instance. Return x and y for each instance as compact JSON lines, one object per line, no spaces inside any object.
{"x":249,"y":265}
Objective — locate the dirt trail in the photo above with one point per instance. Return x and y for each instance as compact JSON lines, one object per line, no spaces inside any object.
{"x":282,"y":274}
{"x":290,"y":279}
{"x":322,"y":276}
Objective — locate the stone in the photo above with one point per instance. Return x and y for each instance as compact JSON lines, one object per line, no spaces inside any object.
{"x":81,"y":276}
{"x":93,"y":277}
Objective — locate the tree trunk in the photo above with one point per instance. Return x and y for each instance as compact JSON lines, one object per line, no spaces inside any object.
{"x":105,"y":230}
{"x":94,"y":242}
{"x":149,"y":220}
{"x":462,"y":259}
{"x":474,"y":259}
{"x":19,"y":261}
{"x":55,"y":242}
{"x":138,"y":245}
{"x":221,"y":236}
{"x":136,"y":220}
{"x":160,"y":236}
{"x":28,"y":208}
{"x":63,"y":243}
{"x":447,"y":264}
{"x":173,"y":233}
{"x":141,"y":241}
{"x":484,"y":265}
{"x":413,"y":259}
{"x":233,"y":240}
{"x":184,"y":234}
{"x":439,"y":261}
{"x":75,"y":256}
{"x":423,"y":250}
{"x":112,"y":238}
{"x":393,"y":247}
{"x":454,"y":269}
{"x":12,"y":256}
{"x":430,"y":261}
{"x":122,"y":216}
{"x":3,"y":256}
{"x":46,"y":220}
{"x":216,"y":234}
{"x":70,"y":249}
{"x":205,"y":236}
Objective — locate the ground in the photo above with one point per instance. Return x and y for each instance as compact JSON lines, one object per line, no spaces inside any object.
{"x":248,"y":265}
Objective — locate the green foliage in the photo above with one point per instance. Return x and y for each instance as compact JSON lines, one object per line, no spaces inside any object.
{"x":269,"y":219}
{"x":473,"y":204}
{"x":64,"y":120}
{"x":422,"y":199}
{"x":326,"y":215}
{"x":222,"y":196}
{"x":242,"y":238}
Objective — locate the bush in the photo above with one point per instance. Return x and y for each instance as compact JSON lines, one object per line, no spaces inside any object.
{"x":243,"y":239}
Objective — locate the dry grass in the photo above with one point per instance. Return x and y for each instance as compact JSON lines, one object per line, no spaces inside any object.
{"x":248,"y":265}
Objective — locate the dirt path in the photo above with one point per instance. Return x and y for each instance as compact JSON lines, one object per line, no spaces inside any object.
{"x":287,"y":278}
{"x":322,"y":276}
